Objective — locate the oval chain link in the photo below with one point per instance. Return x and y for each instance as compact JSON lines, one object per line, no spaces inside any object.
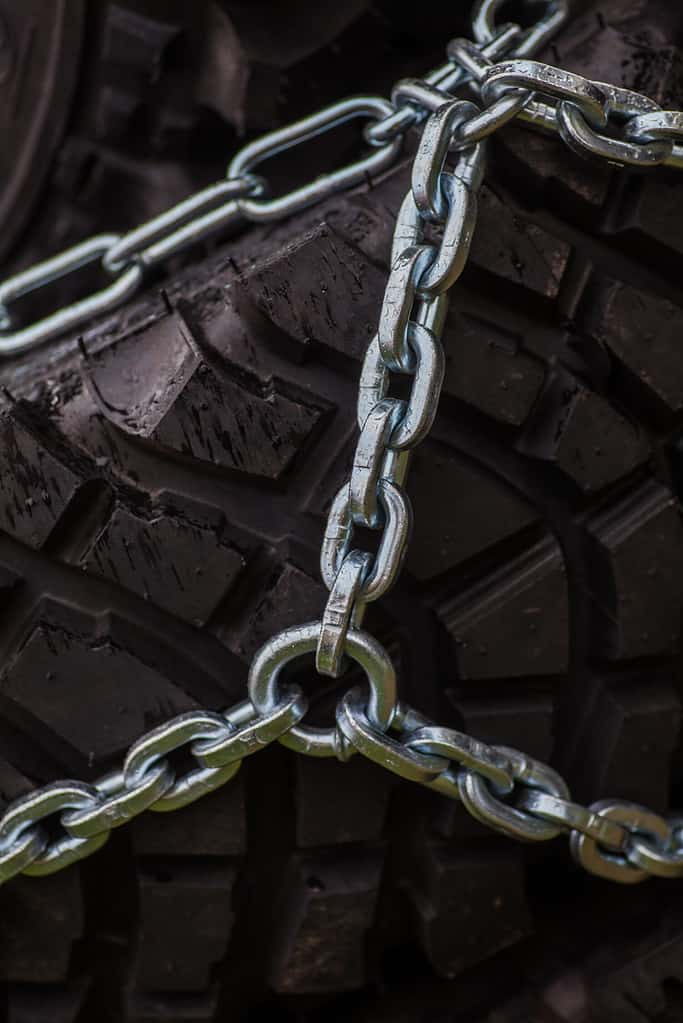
{"x":64,"y":821}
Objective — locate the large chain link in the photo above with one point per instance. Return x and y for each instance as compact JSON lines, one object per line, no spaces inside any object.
{"x":197,"y":752}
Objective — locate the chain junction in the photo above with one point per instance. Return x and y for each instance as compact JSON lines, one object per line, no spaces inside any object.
{"x":196,"y":752}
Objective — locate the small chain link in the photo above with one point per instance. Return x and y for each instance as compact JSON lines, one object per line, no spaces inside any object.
{"x":501,"y":787}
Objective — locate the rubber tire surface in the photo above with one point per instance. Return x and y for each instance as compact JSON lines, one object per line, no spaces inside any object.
{"x":166,"y":483}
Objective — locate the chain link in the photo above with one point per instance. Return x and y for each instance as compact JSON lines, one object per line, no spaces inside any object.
{"x":595,"y":119}
{"x":196,"y":752}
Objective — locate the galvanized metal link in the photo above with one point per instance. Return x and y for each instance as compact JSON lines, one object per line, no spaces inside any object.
{"x":531,"y":39}
{"x":593,"y":118}
{"x":303,"y":639}
{"x":13,"y":340}
{"x":615,"y":864}
{"x":253,"y":154}
{"x":344,"y":610}
{"x":185,"y":224}
{"x":447,"y":77}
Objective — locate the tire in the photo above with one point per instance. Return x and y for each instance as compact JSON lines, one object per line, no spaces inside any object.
{"x":116,"y":109}
{"x":167,"y":480}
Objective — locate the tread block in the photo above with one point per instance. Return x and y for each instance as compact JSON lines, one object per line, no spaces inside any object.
{"x":468,"y":904}
{"x":213,"y":826}
{"x":178,"y":1007}
{"x":320,"y":288}
{"x":177,"y":899}
{"x":124,"y":697}
{"x":114,"y":111}
{"x":367,"y":223}
{"x":648,"y":214}
{"x":323,"y":915}
{"x":339,"y":803}
{"x":136,"y":41}
{"x":525,"y":722}
{"x":630,"y":738}
{"x":291,"y":595}
{"x":243,"y":91}
{"x":175,"y":563}
{"x":546,"y":171}
{"x":39,"y":487}
{"x":485,"y":367}
{"x":45,"y":1003}
{"x":636,"y":557}
{"x":162,"y":388}
{"x":642,"y":331}
{"x":12,"y":782}
{"x":508,"y":246}
{"x":646,"y":985}
{"x":628,"y":49}
{"x":40,"y":923}
{"x":474,"y":510}
{"x":516,"y":621}
{"x":579,"y":432}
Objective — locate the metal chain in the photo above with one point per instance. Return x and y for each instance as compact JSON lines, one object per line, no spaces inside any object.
{"x":197,"y":752}
{"x":60,"y":823}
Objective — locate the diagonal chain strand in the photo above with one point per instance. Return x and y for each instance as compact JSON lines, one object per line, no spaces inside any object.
{"x":62,"y":822}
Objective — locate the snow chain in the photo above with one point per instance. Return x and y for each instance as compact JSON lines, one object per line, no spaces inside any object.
{"x":503,"y":788}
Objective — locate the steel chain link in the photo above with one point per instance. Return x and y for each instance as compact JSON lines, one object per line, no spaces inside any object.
{"x":197,"y":752}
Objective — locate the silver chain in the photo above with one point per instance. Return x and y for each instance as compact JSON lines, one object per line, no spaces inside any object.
{"x":510,"y":792}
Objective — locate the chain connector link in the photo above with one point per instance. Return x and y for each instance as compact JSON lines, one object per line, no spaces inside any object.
{"x":254,"y":153}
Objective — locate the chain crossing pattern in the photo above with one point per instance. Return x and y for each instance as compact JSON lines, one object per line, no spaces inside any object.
{"x":196,"y":752}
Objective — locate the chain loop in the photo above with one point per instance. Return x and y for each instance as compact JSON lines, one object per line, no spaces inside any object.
{"x":396,"y":531}
{"x":380,"y":747}
{"x":654,"y":858}
{"x":252,"y":731}
{"x":27,"y":812}
{"x":399,"y":296}
{"x":15,"y":340}
{"x":343,"y":610}
{"x":302,"y":639}
{"x":420,"y":408}
{"x":369,"y":463}
{"x":185,"y":224}
{"x":656,"y":124}
{"x":533,"y":38}
{"x":468,"y":753}
{"x":554,"y":82}
{"x":18,"y":856}
{"x":122,"y":805}
{"x":253,"y":154}
{"x":572,"y":816}
{"x":485,"y":806}
{"x":448,"y":78}
{"x":181,"y":731}
{"x":428,"y":165}
{"x":580,"y":136}
{"x":616,"y":865}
